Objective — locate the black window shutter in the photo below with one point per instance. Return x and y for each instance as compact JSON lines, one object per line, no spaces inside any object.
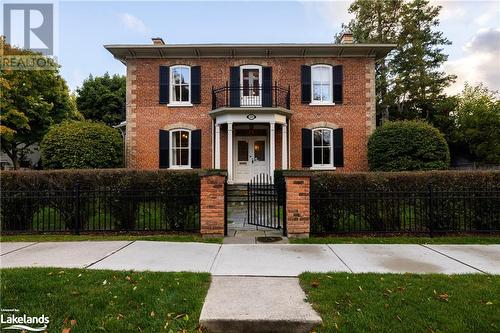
{"x":196,"y":85}
{"x":305,"y":79}
{"x":234,"y":85}
{"x":338,"y":147}
{"x":196,"y":149}
{"x":164,"y":149}
{"x":338,"y":78}
{"x":267,"y":86}
{"x":164,"y":84}
{"x":306,"y":148}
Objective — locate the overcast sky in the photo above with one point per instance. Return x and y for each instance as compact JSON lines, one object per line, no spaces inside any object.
{"x":84,"y":27}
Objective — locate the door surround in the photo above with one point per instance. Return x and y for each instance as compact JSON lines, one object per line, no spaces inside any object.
{"x":252,"y":167}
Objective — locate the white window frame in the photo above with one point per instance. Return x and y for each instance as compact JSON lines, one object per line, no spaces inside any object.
{"x":171,"y":148}
{"x":322,"y":166}
{"x":330,"y":70}
{"x":173,"y":85}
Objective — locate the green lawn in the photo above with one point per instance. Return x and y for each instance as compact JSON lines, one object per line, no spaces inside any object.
{"x":399,"y":240}
{"x":109,"y":237}
{"x":404,"y":302}
{"x":107,"y":301}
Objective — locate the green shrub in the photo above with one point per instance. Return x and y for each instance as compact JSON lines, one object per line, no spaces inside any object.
{"x":124,"y":192}
{"x":367,"y":202}
{"x":81,"y":145}
{"x":406,"y":146}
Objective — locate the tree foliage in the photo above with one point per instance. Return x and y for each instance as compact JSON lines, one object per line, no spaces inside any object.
{"x":407,"y":145}
{"x":102,"y":98}
{"x":477,"y":121}
{"x":82,"y":145}
{"x":410,"y":80}
{"x":31,"y":101}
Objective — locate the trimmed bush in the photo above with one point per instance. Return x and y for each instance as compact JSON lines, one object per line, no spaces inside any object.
{"x":125,"y":191}
{"x":422,"y":202}
{"x":81,"y":145}
{"x":407,"y":146}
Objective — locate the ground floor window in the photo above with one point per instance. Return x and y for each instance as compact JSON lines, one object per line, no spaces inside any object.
{"x":322,"y":147}
{"x":180,"y":145}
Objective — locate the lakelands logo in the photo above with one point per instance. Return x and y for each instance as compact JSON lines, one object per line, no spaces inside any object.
{"x":10,"y":320}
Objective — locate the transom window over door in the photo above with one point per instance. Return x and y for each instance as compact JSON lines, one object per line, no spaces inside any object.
{"x":322,"y":147}
{"x":321,"y":77}
{"x":180,"y":149}
{"x":180,"y":82}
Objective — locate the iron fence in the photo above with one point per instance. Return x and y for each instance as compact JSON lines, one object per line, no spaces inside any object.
{"x":255,"y":96}
{"x":422,"y":212}
{"x":99,"y":210}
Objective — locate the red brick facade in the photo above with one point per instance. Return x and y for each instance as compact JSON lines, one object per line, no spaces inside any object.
{"x":145,"y":116}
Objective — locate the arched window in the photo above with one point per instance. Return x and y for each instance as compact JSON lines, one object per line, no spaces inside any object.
{"x":322,"y":148}
{"x":321,"y":84}
{"x":180,"y":148}
{"x":180,"y":85}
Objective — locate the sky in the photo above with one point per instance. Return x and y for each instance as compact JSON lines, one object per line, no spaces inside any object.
{"x":84,"y":27}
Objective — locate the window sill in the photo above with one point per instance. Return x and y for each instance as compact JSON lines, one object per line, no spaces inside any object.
{"x":180,"y":168}
{"x":323,"y":168}
{"x":179,"y":105}
{"x":321,"y":104}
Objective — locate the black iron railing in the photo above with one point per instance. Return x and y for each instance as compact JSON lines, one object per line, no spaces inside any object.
{"x":246,"y":96}
{"x":425,"y":212}
{"x":102,"y":209}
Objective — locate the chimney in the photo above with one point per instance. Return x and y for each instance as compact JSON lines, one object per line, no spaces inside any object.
{"x":158,"y":41}
{"x":346,"y":38}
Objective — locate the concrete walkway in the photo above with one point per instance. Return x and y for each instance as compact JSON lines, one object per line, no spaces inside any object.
{"x":280,"y":260}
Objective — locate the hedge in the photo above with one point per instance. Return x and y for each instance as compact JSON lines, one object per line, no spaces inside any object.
{"x":124,"y":192}
{"x":406,"y":146}
{"x":408,"y":202}
{"x":81,"y":145}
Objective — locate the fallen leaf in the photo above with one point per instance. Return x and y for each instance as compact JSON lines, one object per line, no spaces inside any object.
{"x":73,"y":322}
{"x":399,"y":318}
{"x":66,"y":330}
{"x":179,"y":315}
{"x":104,"y":282}
{"x":443,"y":297}
{"x":361,"y":289}
{"x":152,"y":314}
{"x":314,"y":283}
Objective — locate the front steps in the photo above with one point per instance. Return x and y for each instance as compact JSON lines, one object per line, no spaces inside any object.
{"x":237,"y":194}
{"x":257,"y":304}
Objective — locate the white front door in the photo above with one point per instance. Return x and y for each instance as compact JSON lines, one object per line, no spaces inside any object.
{"x":251,"y":158}
{"x":251,"y":82}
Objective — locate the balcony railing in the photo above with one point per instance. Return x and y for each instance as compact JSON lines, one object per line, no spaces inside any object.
{"x":246,"y":96}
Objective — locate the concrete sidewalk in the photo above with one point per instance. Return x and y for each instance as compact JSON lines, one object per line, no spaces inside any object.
{"x":281,"y":260}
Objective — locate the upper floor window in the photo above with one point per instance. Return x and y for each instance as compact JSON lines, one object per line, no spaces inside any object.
{"x":180,"y":85}
{"x":322,"y":148}
{"x":321,"y":77}
{"x":180,"y":146}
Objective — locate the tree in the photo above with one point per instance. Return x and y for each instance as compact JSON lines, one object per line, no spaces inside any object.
{"x":31,"y":101}
{"x":102,"y":98}
{"x":409,"y":81}
{"x":82,"y":145}
{"x":407,"y":145}
{"x":478,"y":123}
{"x":377,"y":21}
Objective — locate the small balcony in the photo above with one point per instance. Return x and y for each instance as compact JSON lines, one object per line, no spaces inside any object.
{"x":272,"y":96}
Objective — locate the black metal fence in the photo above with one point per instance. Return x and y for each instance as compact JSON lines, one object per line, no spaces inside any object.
{"x":260,"y":95}
{"x":266,"y":203}
{"x":425,"y":212}
{"x":99,"y":210}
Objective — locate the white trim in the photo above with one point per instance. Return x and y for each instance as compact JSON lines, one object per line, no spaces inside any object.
{"x":242,"y":103}
{"x":322,"y":166}
{"x":172,"y":86}
{"x":284,"y":147}
{"x":272,"y":149}
{"x":230,"y":153}
{"x":217,"y":146}
{"x":330,"y":101}
{"x":171,"y":148}
{"x":179,"y":104}
{"x":321,"y":103}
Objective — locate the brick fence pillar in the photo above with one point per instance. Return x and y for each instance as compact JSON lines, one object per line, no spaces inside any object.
{"x":212,"y":205}
{"x":297,"y":204}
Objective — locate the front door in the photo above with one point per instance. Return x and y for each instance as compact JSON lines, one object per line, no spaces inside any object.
{"x":251,"y":158}
{"x":251,"y":81}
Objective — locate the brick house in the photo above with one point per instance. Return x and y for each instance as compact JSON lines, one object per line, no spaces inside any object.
{"x":249,"y":108}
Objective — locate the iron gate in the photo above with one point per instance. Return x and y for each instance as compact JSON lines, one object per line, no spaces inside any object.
{"x":266,"y":203}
